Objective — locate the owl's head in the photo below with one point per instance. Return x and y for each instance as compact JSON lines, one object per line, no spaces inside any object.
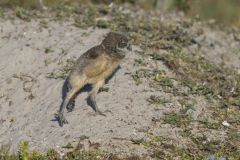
{"x":116,"y":42}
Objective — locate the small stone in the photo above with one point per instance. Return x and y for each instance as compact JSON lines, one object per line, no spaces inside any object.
{"x":225,"y":124}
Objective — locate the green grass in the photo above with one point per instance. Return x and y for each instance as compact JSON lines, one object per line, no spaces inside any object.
{"x":225,"y":12}
{"x":177,"y":119}
{"x":205,"y":78}
{"x":25,"y":154}
{"x":73,"y":153}
{"x":157,"y":100}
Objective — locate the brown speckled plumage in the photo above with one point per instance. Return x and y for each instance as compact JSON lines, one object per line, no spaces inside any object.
{"x":94,"y":67}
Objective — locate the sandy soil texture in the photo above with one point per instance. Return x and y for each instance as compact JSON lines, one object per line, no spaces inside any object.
{"x":33,"y":58}
{"x":29,"y":99}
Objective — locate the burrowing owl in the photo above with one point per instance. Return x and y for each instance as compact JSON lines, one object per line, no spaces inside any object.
{"x":94,"y":67}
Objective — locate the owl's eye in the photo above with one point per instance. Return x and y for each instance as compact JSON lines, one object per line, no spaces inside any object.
{"x":122,"y":44}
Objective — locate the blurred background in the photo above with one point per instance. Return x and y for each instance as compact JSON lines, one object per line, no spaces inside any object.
{"x":225,"y":12}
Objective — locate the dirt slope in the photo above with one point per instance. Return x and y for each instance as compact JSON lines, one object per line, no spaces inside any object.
{"x":34,"y":58}
{"x":29,"y":99}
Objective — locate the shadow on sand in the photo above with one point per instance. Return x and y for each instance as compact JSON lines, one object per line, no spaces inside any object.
{"x":86,"y":88}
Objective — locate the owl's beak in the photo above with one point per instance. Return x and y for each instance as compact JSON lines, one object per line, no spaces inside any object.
{"x":129,"y":47}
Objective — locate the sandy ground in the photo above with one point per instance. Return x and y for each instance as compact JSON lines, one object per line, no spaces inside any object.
{"x":29,"y":99}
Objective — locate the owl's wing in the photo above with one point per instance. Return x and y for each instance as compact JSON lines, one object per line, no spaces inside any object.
{"x":94,"y":62}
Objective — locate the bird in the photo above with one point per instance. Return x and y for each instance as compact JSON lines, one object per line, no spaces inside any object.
{"x":94,"y":67}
